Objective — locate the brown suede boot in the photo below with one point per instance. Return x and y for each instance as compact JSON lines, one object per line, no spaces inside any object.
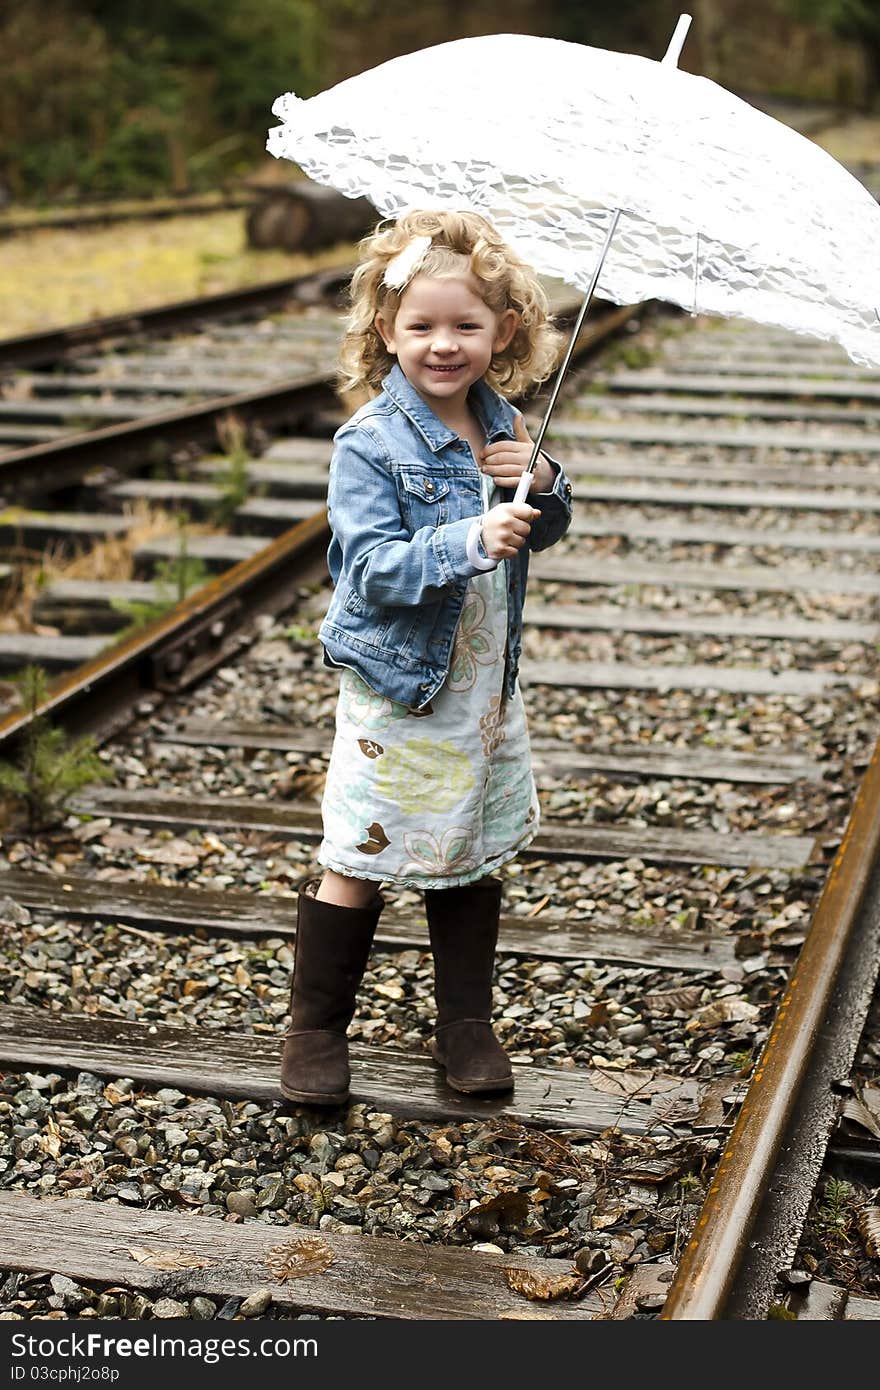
{"x":463,"y":926}
{"x":332,"y":947}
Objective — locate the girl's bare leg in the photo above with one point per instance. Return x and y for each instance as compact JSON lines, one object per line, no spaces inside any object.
{"x":345,"y":891}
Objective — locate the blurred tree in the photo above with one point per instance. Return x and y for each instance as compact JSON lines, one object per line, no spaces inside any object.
{"x":112,"y":96}
{"x":849,"y":19}
{"x":638,"y":26}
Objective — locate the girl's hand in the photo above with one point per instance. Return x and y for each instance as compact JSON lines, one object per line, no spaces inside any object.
{"x":505,"y":529}
{"x":506,"y":461}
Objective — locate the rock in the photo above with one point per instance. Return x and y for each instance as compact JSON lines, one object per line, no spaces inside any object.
{"x":241,"y":1204}
{"x":273,"y":1197}
{"x":13,"y":913}
{"x":170,"y":1308}
{"x":68,"y":1294}
{"x":202,"y":1309}
{"x":256,"y":1303}
{"x":589,"y":1261}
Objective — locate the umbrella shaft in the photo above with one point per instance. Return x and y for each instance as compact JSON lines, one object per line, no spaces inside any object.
{"x":560,"y":375}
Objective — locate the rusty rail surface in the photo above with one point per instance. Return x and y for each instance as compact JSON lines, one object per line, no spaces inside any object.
{"x":708,"y":1269}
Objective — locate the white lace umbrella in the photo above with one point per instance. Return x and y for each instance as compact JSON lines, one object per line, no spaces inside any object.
{"x":618,"y":174}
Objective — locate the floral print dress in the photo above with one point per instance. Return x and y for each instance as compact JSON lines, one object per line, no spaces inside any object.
{"x":442,"y":796}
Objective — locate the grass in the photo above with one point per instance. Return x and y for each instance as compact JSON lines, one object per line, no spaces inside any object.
{"x":109,"y":560}
{"x":52,"y":277}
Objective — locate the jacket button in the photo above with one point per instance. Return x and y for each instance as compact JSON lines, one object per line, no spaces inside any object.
{"x":429,"y":486}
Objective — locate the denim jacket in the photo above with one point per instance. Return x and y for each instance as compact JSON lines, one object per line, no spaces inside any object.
{"x":404,"y":490}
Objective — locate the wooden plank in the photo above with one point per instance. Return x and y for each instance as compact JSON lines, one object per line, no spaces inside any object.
{"x":702,"y":533}
{"x":217,"y":552}
{"x":182,"y":365}
{"x":775,"y":499}
{"x":41,"y":384}
{"x":649,"y":760}
{"x":301,"y":450}
{"x":29,"y":434}
{"x":173,"y":907}
{"x":586,"y":617}
{"x":371,"y":1277}
{"x":87,"y":605}
{"x":860,"y":1309}
{"x":271,"y":516}
{"x":20,"y":527}
{"x":711,"y":384}
{"x":569,"y":569}
{"x":293,"y":820}
{"x":744,"y":680}
{"x":82,"y":413}
{"x":281,"y":479}
{"x":844,"y":371}
{"x":752,"y":407}
{"x":217,"y":1062}
{"x":165,"y":490}
{"x":680,"y":436}
{"x":641,"y":465}
{"x":646,"y":1284}
{"x":53,"y":653}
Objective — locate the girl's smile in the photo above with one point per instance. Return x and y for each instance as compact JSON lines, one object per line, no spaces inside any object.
{"x":444,"y":337}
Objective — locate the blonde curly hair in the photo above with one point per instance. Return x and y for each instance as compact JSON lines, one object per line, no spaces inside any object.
{"x":463,"y":243}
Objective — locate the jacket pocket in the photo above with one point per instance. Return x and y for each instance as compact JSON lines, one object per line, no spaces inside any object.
{"x":425,"y":498}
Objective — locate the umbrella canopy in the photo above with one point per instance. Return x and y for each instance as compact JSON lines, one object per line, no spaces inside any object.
{"x":723,"y":209}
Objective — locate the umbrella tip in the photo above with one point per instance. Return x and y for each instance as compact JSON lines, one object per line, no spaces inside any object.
{"x":676,"y":43}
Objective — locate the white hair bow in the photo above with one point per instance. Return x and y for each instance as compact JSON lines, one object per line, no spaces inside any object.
{"x":402,"y":267}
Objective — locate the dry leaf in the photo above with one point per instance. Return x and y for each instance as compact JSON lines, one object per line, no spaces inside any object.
{"x":511,"y":1206}
{"x":598,"y":1016}
{"x":727,"y":1010}
{"x":168,"y":1260}
{"x":856,"y":1110}
{"x":299,"y":1258}
{"x":542,"y":1285}
{"x":667,"y":1001}
{"x":635,"y":1081}
{"x":50,"y":1142}
{"x":194,"y":989}
{"x":180,"y":854}
{"x":868,"y":1222}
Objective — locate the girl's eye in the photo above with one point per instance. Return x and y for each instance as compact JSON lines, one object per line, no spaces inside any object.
{"x":469,"y":326}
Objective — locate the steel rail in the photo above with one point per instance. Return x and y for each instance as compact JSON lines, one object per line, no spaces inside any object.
{"x":42,"y":468}
{"x":41,"y":349}
{"x":177,"y":648}
{"x":185,"y":206}
{"x":707,"y":1272}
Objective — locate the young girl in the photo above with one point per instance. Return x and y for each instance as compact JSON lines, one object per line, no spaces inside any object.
{"x":429,"y":784}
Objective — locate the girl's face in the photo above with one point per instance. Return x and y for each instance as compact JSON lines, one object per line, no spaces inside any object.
{"x":444,"y":336}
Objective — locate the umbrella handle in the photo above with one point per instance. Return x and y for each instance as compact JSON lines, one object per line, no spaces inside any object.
{"x":522,"y":487}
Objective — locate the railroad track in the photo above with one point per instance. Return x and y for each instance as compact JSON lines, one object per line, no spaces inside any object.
{"x":688,"y":952}
{"x":78,"y":219}
{"x":108,"y":422}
